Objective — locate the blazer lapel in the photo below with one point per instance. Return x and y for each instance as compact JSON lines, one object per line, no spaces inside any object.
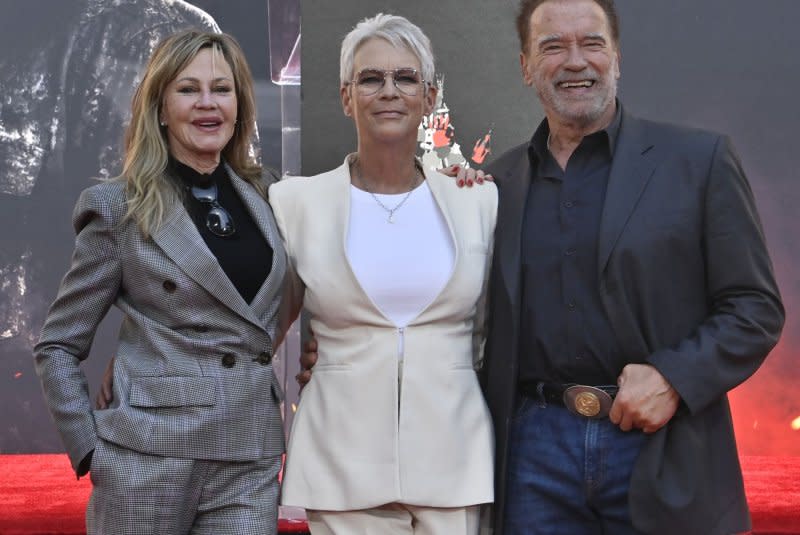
{"x":513,"y":190}
{"x":631,"y":170}
{"x":259,"y":210}
{"x":338,"y":195}
{"x":445,"y":194}
{"x":180,"y":241}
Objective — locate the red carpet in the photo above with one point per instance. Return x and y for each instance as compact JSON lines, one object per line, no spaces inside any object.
{"x":39,"y":496}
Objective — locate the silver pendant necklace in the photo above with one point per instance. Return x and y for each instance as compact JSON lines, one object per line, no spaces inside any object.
{"x":390,"y":211}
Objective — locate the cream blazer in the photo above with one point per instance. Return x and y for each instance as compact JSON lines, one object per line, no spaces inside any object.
{"x":356,"y":442}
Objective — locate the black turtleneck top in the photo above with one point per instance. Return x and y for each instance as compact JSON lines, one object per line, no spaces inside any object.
{"x":245,"y":256}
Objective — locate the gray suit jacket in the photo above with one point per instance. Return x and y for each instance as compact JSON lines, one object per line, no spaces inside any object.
{"x":687,"y":284}
{"x":192,"y":376}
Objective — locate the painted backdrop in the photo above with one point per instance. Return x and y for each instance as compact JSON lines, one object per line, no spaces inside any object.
{"x":67,"y":72}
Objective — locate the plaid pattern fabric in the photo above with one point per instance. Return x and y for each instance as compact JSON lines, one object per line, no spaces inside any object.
{"x":191,"y":378}
{"x":135,"y":494}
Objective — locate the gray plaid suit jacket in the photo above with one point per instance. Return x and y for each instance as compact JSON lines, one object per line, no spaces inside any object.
{"x":193,"y":376}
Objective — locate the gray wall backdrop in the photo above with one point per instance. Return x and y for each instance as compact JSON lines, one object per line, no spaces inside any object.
{"x":726,"y":65}
{"x":476,"y":51}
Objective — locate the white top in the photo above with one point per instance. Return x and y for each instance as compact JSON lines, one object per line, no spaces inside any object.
{"x":402,"y":265}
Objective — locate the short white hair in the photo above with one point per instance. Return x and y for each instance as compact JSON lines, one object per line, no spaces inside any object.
{"x":398,"y":31}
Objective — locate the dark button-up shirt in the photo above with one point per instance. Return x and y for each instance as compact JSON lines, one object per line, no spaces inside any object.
{"x":246,"y":256}
{"x":565,"y":335}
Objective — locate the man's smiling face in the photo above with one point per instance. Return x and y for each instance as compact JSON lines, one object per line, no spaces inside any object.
{"x":572,"y":61}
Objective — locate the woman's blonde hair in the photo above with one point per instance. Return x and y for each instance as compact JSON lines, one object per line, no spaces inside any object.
{"x":149,"y":191}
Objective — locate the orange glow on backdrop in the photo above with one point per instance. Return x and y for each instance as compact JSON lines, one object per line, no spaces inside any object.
{"x":766,"y":407}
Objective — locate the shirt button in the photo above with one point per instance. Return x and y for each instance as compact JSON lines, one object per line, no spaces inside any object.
{"x":228,"y":360}
{"x":571,"y":305}
{"x":169,"y":286}
{"x":568,"y":204}
{"x":263,"y":358}
{"x":569,"y":252}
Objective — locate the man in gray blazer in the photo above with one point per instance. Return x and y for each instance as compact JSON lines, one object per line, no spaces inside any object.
{"x":631,"y":290}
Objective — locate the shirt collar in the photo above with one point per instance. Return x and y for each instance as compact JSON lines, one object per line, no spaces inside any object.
{"x":537,"y":148}
{"x":190,"y":177}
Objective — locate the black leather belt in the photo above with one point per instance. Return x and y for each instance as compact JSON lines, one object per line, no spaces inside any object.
{"x":583,"y":400}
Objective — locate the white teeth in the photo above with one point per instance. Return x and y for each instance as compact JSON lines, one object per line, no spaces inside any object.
{"x":585,"y":83}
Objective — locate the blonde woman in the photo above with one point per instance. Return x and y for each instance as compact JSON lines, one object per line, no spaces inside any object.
{"x":184,"y":244}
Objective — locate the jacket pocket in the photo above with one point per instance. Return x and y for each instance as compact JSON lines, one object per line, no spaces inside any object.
{"x":172,"y":392}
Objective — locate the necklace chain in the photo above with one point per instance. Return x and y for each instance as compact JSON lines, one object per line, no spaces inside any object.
{"x":390,"y":219}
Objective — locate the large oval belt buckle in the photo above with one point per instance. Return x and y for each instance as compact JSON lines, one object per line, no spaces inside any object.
{"x":587,"y":401}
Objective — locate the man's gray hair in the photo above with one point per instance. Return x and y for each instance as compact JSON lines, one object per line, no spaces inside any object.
{"x":398,"y":31}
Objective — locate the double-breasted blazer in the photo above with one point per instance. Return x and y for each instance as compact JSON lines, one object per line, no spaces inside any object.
{"x":193,"y":376}
{"x":356,"y":442}
{"x":686,"y":282}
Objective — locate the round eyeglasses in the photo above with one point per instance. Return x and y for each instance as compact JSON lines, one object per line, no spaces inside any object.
{"x":218,"y":221}
{"x":370,"y":81}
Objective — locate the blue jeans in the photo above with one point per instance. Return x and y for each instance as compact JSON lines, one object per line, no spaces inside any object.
{"x":568,"y":474}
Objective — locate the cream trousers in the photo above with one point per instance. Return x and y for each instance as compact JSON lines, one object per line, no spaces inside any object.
{"x":397,"y":519}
